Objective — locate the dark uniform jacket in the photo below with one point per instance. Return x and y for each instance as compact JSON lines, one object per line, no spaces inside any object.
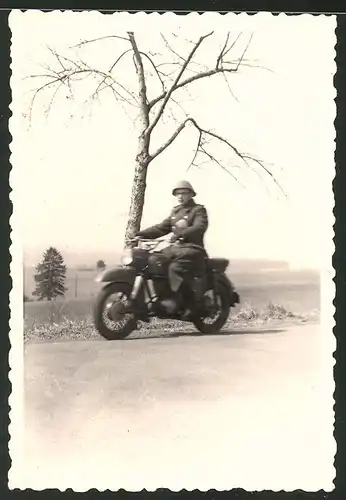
{"x":197,"y":220}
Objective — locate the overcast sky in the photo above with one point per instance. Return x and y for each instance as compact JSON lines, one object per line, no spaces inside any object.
{"x":72,"y":177}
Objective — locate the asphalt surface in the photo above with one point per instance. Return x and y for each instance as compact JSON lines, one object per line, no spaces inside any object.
{"x":250,"y":410}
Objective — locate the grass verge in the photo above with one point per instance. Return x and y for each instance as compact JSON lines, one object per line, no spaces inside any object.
{"x":247,"y":317}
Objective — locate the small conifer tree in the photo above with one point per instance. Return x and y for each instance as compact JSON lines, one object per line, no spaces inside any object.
{"x":51,"y":275}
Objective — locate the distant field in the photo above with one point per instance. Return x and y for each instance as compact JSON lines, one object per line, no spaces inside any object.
{"x":297,"y":291}
{"x":80,"y":284}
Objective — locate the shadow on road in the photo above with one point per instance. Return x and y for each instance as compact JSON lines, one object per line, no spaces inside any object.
{"x":198,"y":334}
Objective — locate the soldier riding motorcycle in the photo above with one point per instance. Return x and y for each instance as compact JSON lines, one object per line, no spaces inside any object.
{"x":176,"y":282}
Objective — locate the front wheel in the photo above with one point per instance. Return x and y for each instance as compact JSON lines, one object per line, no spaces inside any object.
{"x":213,"y":323}
{"x":110,"y":317}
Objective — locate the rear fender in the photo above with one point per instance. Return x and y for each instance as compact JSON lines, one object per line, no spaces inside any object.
{"x":221,"y":279}
{"x":117,"y":274}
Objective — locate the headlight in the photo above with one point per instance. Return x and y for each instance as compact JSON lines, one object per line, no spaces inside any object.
{"x":127,"y":257}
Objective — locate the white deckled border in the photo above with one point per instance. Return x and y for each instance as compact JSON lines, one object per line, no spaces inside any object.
{"x":16,"y":354}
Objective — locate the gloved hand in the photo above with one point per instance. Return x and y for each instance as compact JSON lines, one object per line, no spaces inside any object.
{"x":173,"y":238}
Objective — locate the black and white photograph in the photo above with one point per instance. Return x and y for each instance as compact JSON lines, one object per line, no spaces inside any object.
{"x":172,"y":240}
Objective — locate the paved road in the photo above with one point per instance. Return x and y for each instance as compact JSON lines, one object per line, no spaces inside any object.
{"x":250,"y":410}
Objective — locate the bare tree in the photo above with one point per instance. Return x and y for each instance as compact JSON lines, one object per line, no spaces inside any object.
{"x":182,"y":72}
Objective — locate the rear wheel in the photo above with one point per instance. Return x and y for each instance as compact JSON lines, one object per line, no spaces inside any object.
{"x":110,"y":317}
{"x":219,"y":313}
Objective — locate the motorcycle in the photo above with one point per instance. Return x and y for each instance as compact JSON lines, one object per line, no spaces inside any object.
{"x":133,"y":292}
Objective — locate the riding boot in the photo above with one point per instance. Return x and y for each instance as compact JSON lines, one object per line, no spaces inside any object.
{"x":174,"y":304}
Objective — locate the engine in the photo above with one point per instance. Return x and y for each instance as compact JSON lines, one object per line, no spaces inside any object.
{"x":162,"y":288}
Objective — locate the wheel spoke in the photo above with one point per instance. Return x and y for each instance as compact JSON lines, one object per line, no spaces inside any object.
{"x":218,"y":313}
{"x":212,"y":319}
{"x":111,"y":319}
{"x":110,"y":323}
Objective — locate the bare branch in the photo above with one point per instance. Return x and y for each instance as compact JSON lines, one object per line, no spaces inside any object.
{"x":203,"y":133}
{"x":232,"y":45}
{"x":184,"y":38}
{"x":170,"y":48}
{"x":115,"y":92}
{"x":220,"y":57}
{"x":37,"y":91}
{"x":221,"y":139}
{"x":54,"y":96}
{"x":168,"y":64}
{"x":191,"y":79}
{"x":155,"y":68}
{"x":86,"y":68}
{"x":248,"y":65}
{"x":120,"y":57}
{"x":171,"y":139}
{"x":178,"y":55}
{"x":174,"y":86}
{"x":257,"y":174}
{"x":141,"y":81}
{"x":57,"y":57}
{"x":245,"y":157}
{"x":174,"y":63}
{"x":172,"y":114}
{"x":244,"y":52}
{"x":108,"y":76}
{"x":180,"y":106}
{"x":153,"y":54}
{"x":46,"y":75}
{"x":192,"y":163}
{"x":73,"y":73}
{"x":75,"y":64}
{"x":114,"y":82}
{"x":212,"y":158}
{"x":83,"y":66}
{"x":219,"y":68}
{"x":67,"y":71}
{"x":229,"y":87}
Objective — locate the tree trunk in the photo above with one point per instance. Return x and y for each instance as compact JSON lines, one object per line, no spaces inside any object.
{"x":143,"y":158}
{"x":137,"y":201}
{"x":138,"y":188}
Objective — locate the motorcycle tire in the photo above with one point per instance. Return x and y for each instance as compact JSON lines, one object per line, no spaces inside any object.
{"x":215,"y":327}
{"x":101,"y":327}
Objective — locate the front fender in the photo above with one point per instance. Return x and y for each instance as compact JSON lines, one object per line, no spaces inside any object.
{"x":223,"y":280}
{"x":121,"y":274}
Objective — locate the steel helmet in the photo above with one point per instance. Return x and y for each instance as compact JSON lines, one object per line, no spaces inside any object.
{"x":183,"y":185}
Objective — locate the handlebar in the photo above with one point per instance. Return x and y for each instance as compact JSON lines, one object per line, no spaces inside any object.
{"x":146,"y":240}
{"x":151,"y":243}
